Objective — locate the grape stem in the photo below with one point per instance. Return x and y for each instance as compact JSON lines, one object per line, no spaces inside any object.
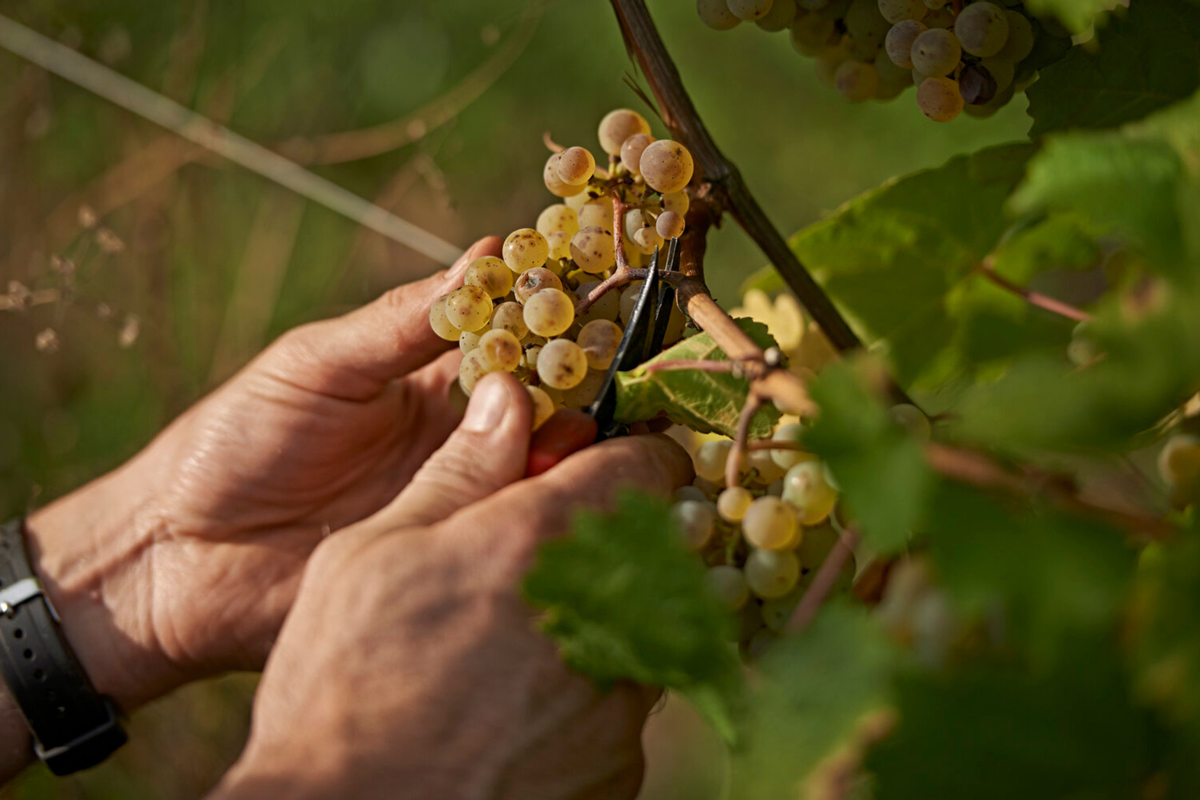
{"x":696,"y":364}
{"x":826,"y":577}
{"x":1033,"y":298}
{"x":737,"y":453}
{"x":723,"y":180}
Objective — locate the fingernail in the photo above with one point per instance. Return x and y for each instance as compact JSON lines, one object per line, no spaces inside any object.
{"x":488,"y":406}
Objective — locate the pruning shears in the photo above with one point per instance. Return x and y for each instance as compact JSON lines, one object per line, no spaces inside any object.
{"x":644,"y":333}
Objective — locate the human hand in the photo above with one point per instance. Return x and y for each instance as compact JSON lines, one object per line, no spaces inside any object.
{"x":184,"y":561}
{"x":409,"y":659}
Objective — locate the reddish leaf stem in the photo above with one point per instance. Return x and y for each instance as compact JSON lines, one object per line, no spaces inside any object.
{"x":733,"y":464}
{"x":1035,"y":298}
{"x":826,"y":577}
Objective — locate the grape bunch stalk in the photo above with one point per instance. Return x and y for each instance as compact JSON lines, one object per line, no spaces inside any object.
{"x":542,"y":311}
{"x":960,"y":55}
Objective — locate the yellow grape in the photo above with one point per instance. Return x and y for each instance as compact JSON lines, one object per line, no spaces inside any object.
{"x":490,"y":274}
{"x":632,"y":149}
{"x":608,"y":307}
{"x":440,"y":322}
{"x":468,"y":308}
{"x":749,"y":10}
{"x":899,"y":41}
{"x":728,"y":584}
{"x":532,"y":281}
{"x":599,"y":340}
{"x":561,"y":364}
{"x":510,"y":317}
{"x":543,"y":406}
{"x":592,"y":249}
{"x":677,"y":202}
{"x":501,"y":350}
{"x":525,"y":249}
{"x":670,"y":225}
{"x":770,"y":574}
{"x":596,"y":213}
{"x":733,"y":502}
{"x":895,"y":11}
{"x":576,"y":166}
{"x":982,"y":28}
{"x":549,"y":313}
{"x":667,"y":166}
{"x":710,"y":460}
{"x":940,"y":99}
{"x":584,"y":393}
{"x":469,"y":340}
{"x":557,"y":186}
{"x":716,"y":15}
{"x":771,"y":524}
{"x":696,"y":522}
{"x":856,"y":81}
{"x":936,"y":52}
{"x":619,"y":125}
{"x":558,"y":217}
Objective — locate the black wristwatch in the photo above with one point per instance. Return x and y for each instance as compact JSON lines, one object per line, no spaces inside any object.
{"x":73,"y":727}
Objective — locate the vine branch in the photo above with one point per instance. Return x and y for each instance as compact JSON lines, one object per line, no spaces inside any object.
{"x":728,"y":188}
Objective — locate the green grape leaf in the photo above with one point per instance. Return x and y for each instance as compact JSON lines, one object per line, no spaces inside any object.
{"x":1056,"y":578}
{"x":1151,"y":365}
{"x":708,"y":402}
{"x":997,"y":732}
{"x":891,"y":256}
{"x":880,"y":468}
{"x":1056,"y":241}
{"x":1116,"y":183}
{"x":624,"y":600}
{"x":1146,"y":59}
{"x":821,"y":692}
{"x":1076,"y":15}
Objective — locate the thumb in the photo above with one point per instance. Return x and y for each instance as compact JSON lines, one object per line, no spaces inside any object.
{"x":485,"y":453}
{"x":354,"y":355}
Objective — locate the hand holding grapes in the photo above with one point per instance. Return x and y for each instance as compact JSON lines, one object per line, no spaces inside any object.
{"x":193,"y":550}
{"x":409,"y":659}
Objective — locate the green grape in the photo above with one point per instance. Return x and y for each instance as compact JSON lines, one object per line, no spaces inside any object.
{"x":510,"y":317}
{"x":1020,"y":40}
{"x":549,"y":313}
{"x":576,"y":166}
{"x":780,"y":17}
{"x":678,"y":202}
{"x":940,"y":99}
{"x":1001,"y":71}
{"x":561,"y":364}
{"x":899,"y":42}
{"x":982,"y":28}
{"x":666,"y":166}
{"x":806,"y":490}
{"x":632,"y":149}
{"x":892,"y":79}
{"x":936,"y":52}
{"x":559,"y":244}
{"x":600,"y":340}
{"x":865,"y":24}
{"x":710,"y":460}
{"x":733,"y":502}
{"x":532,"y":281}
{"x":473,"y":367}
{"x":770,"y":524}
{"x":790,"y":458}
{"x":606,"y":308}
{"x":729,"y":585}
{"x":856,"y":81}
{"x":716,"y":15}
{"x":529,"y":356}
{"x":468,"y":308}
{"x":670,"y":225}
{"x":763,"y":466}
{"x":812,"y":34}
{"x":749,"y":10}
{"x":525,"y":249}
{"x":861,"y":50}
{"x":771,"y":574}
{"x":913,"y":420}
{"x":689,"y":493}
{"x":555,"y":184}
{"x":490,"y":274}
{"x":469,"y":340}
{"x":584,"y":393}
{"x":943,"y":19}
{"x":557,"y":217}
{"x":592,"y":249}
{"x":440,"y":322}
{"x":596,"y":213}
{"x":646,"y":239}
{"x":500,"y":350}
{"x":696,"y":522}
{"x":543,"y":406}
{"x":619,"y":125}
{"x":1179,"y":461}
{"x":895,"y":11}
{"x":629,"y":298}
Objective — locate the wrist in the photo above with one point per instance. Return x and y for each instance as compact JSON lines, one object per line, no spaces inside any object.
{"x":89,"y":551}
{"x":298,"y":773}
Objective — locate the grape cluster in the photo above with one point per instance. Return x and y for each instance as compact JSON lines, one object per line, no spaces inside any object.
{"x":961,"y":56}
{"x":517,"y":313}
{"x":763,"y":539}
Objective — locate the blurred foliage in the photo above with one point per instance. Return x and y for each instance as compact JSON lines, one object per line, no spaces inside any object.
{"x":204,"y":263}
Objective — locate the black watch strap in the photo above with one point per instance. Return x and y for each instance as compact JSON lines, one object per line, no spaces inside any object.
{"x":73,"y":727}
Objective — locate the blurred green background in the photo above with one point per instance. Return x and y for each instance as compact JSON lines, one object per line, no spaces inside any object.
{"x":196,"y":264}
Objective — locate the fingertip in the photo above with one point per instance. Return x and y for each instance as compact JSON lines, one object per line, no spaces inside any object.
{"x":487,"y":246}
{"x":566,"y":432}
{"x":499,"y":400}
